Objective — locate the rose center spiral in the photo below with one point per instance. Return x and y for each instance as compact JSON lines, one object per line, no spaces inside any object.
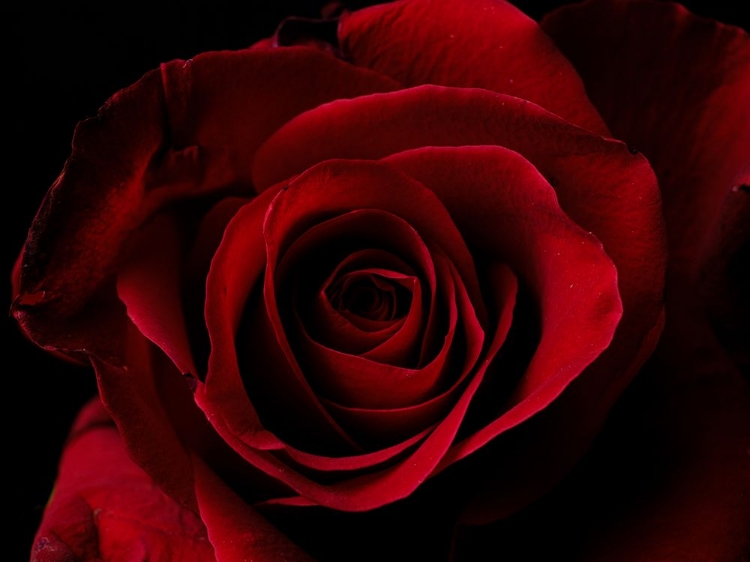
{"x":370,"y":296}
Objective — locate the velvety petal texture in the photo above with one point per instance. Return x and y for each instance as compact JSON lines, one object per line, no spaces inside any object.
{"x":396,"y":268}
{"x":486,"y":44}
{"x":666,"y":479}
{"x":647,"y":65}
{"x":105,"y":508}
{"x":173,"y":135}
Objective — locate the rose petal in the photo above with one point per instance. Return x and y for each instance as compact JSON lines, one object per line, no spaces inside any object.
{"x":237,"y":266}
{"x":132,"y":397}
{"x":352,"y":333}
{"x":330,"y":189}
{"x":675,"y":64}
{"x":379,"y":425}
{"x":647,"y":65}
{"x":324,"y":242}
{"x":223,"y":317}
{"x":360,"y":494}
{"x":120,"y":172}
{"x":486,"y":44}
{"x":196,"y":267}
{"x":372,"y":385}
{"x":331,"y":183}
{"x":149,"y":285}
{"x":667,"y":480}
{"x":104,"y":507}
{"x":237,"y":532}
{"x":80,"y":227}
{"x":599,"y":183}
{"x":377,"y":187}
{"x":226,"y":103}
{"x":574,"y":282}
{"x":362,"y":380}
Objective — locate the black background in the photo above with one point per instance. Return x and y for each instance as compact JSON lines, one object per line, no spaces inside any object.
{"x":58,"y":67}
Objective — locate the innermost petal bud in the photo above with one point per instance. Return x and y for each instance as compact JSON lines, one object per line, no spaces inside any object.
{"x":370,"y":295}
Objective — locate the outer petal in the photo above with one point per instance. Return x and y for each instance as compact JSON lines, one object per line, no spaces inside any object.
{"x":104,"y":508}
{"x":236,"y":530}
{"x":131,"y":396}
{"x":172,"y":135}
{"x":480,"y":44}
{"x":696,"y":504}
{"x":676,"y":87}
{"x":669,"y":478}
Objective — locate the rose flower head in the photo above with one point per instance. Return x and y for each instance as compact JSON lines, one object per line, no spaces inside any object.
{"x":380,"y":279}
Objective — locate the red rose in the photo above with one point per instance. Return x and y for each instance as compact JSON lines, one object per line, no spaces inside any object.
{"x":370,"y":294}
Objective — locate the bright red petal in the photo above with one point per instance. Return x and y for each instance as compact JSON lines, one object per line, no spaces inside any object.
{"x":105,"y":508}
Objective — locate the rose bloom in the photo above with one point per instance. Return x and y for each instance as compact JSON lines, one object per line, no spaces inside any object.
{"x":370,"y":288}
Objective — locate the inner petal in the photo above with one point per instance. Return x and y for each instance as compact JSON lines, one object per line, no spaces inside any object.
{"x":362,"y":283}
{"x":371,"y":295}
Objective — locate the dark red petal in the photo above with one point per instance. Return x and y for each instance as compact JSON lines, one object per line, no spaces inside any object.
{"x":335,"y":187}
{"x":723,"y":278}
{"x":339,"y":186}
{"x":482,"y":44}
{"x":237,"y":267}
{"x":380,"y":425}
{"x":224,"y":104}
{"x":331,"y":185}
{"x":104,"y":507}
{"x":368,"y":492}
{"x":692,"y":455}
{"x":399,"y":347}
{"x":351,"y":334}
{"x":196,"y":266}
{"x":132,"y":396}
{"x":121,"y":171}
{"x":358,"y":382}
{"x":149,"y":283}
{"x":237,"y":532}
{"x":354,"y":462}
{"x":599,"y":183}
{"x":668,"y":477}
{"x":363,"y":380}
{"x":573,"y":280}
{"x":80,"y":226}
{"x":675,"y":87}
